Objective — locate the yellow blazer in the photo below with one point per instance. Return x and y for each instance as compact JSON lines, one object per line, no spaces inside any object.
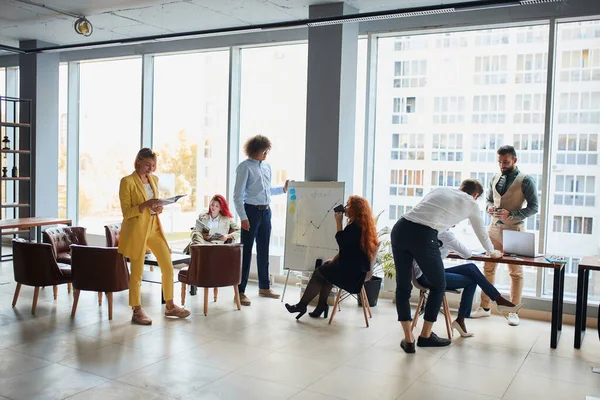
{"x":134,"y":229}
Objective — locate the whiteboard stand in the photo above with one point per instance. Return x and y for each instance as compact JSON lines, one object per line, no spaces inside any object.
{"x":285,"y":286}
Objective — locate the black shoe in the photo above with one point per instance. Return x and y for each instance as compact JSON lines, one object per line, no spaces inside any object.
{"x":320,"y":310}
{"x":407,"y":347}
{"x":296,"y":308}
{"x":433,"y":341}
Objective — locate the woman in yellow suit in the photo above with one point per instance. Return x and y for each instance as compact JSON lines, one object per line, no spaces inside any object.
{"x":141,"y":228}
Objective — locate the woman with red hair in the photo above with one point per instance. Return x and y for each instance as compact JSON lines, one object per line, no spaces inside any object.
{"x":347,"y":270}
{"x":215,"y":226}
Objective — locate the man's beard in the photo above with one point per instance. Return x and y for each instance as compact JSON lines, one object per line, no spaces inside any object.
{"x":508,"y":170}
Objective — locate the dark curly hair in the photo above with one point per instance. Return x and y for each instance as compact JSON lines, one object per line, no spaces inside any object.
{"x":256,"y":144}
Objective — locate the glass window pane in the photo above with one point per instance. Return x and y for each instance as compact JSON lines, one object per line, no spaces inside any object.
{"x":63,"y":82}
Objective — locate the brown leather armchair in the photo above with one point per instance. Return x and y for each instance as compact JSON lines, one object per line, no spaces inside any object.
{"x":62,"y":238}
{"x":98,"y":269}
{"x":34,"y":265}
{"x":112,"y":232}
{"x":213,"y":266}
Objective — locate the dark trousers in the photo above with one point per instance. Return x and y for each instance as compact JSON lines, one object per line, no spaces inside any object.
{"x":260,"y":230}
{"x":411,"y":242}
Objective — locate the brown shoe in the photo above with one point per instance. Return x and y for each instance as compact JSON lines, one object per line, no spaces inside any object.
{"x":268,"y":293}
{"x":139,"y":317}
{"x":177,"y":311}
{"x":244,"y":300}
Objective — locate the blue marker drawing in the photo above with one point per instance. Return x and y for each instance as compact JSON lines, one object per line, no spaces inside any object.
{"x":293,"y":197}
{"x":292,"y":191}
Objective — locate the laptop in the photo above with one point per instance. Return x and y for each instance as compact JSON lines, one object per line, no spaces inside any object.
{"x":518,"y":243}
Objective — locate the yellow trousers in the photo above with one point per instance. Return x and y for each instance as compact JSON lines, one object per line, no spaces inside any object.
{"x":156,"y":244}
{"x":515,"y":271}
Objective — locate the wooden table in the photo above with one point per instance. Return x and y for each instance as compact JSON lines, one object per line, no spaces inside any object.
{"x":557,"y":288}
{"x":23,"y":225}
{"x":586,"y":265}
{"x":156,"y":277}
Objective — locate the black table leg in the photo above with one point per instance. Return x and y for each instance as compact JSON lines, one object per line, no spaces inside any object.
{"x":586,"y":284}
{"x":39,"y":233}
{"x":556,"y":307}
{"x":579,"y":306}
{"x":193,"y":290}
{"x":561,"y":301}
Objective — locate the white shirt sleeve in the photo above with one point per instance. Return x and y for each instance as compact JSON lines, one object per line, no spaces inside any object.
{"x":480,"y":231}
{"x":451,"y":243}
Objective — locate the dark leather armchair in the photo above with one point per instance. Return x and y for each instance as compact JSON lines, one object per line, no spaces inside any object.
{"x":34,"y":264}
{"x":98,"y":269}
{"x":62,"y":238}
{"x":213,"y":266}
{"x":112,"y":232}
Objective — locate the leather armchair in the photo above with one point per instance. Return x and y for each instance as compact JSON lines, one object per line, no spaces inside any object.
{"x":34,"y":264}
{"x":62,"y":238}
{"x":98,"y":269}
{"x":112,"y":232}
{"x":213,"y":266}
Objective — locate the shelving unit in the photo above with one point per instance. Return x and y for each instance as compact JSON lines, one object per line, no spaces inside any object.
{"x":15,"y":138}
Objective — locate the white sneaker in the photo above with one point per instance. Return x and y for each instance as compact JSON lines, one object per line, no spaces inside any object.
{"x":513,"y":319}
{"x":481,"y":313}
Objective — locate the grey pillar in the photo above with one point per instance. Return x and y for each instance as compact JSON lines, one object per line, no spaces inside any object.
{"x":38,"y":76}
{"x":331,"y":97}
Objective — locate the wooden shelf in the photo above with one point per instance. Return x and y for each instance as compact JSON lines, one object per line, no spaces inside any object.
{"x":18,"y":178}
{"x":15,"y":205}
{"x":14,"y":125}
{"x":15,"y":151}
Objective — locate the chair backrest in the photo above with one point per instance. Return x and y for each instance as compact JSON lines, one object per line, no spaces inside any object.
{"x":415,"y":282}
{"x":34,"y":264}
{"x":215,"y":265}
{"x":62,"y":238}
{"x":99,"y":269}
{"x":112,"y":232}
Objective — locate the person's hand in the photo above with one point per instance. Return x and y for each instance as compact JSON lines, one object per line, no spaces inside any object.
{"x":502,"y":214}
{"x":491,"y":210}
{"x":226,"y":238}
{"x":328,"y":261}
{"x":285,"y":185}
{"x":338,"y":217}
{"x":496,"y":254}
{"x":158,"y":209}
{"x":206,"y":236}
{"x":149,"y":204}
{"x":246,"y":225}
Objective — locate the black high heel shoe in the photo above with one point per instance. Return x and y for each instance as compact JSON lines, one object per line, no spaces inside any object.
{"x":296,"y":308}
{"x":320,"y":310}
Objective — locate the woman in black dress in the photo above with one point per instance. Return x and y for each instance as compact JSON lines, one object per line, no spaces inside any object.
{"x":348,"y":269}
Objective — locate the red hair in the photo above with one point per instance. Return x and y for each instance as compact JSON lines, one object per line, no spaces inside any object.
{"x":360,"y":213}
{"x":223,"y":204}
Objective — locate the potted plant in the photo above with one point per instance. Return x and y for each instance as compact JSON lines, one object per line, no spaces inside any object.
{"x":384,"y":265}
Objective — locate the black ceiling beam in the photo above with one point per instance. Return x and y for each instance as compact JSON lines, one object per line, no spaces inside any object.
{"x":376,"y":15}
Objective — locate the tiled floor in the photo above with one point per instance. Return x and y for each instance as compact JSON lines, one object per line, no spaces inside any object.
{"x":261,"y":352}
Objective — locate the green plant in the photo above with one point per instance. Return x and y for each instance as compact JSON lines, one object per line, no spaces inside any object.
{"x":384,"y":259}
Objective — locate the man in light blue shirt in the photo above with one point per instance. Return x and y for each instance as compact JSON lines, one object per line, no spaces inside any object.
{"x":251,"y":197}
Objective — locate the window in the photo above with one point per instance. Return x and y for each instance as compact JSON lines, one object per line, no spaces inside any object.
{"x":449,"y":109}
{"x":579,"y":107}
{"x":492,"y":37}
{"x":109,"y":137}
{"x":569,"y":224}
{"x":408,"y":146}
{"x":190,"y":135}
{"x":530,"y":108}
{"x":531,"y":68}
{"x":533,"y":34}
{"x":2,"y":82}
{"x":580,"y":65}
{"x":577,"y":149}
{"x":396,"y":212}
{"x":529,"y":147}
{"x":575,"y":190}
{"x":63,"y":81}
{"x":491,"y":70}
{"x":447,"y":147}
{"x":360,"y":122}
{"x":489,"y":109}
{"x":402,"y":107}
{"x":448,"y":41}
{"x":405,"y":182}
{"x":446,"y":178}
{"x":484,"y":146}
{"x":273,"y":103}
{"x":410,"y":73}
{"x":410,"y":43}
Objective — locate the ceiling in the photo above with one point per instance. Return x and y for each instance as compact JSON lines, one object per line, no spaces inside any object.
{"x":122,"y":19}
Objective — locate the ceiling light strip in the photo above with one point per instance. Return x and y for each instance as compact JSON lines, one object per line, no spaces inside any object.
{"x":381,"y":17}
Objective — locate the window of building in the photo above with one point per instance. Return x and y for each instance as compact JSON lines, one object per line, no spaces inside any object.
{"x":395,"y":212}
{"x":402,"y":107}
{"x":406,"y":182}
{"x":446,"y":178}
{"x":491,"y":70}
{"x":484,"y":146}
{"x":408,"y":146}
{"x":489,"y":109}
{"x":580,"y":65}
{"x":447,"y":147}
{"x":533,"y":34}
{"x":579,"y":107}
{"x":529,"y":148}
{"x":449,"y":109}
{"x":530,"y":108}
{"x":492,"y":37}
{"x":448,"y":41}
{"x":63,"y":87}
{"x":577,"y":149}
{"x":575,"y":190}
{"x":411,"y":43}
{"x":571,"y":224}
{"x":410,"y":73}
{"x":531,"y":68}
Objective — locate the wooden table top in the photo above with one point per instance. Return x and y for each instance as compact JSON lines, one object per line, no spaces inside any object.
{"x":540,"y":262}
{"x":590,"y":262}
{"x":31,"y":222}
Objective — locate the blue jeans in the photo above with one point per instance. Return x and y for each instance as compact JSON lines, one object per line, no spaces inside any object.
{"x":260,"y":230}
{"x":466,"y":277}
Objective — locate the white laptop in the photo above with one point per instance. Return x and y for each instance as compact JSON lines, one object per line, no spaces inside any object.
{"x":518,"y":243}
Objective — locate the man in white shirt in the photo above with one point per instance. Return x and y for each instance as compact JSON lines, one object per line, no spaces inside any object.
{"x":414,"y":237}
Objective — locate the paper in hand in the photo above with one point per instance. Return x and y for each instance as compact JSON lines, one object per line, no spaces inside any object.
{"x":201,"y":227}
{"x":171,"y":200}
